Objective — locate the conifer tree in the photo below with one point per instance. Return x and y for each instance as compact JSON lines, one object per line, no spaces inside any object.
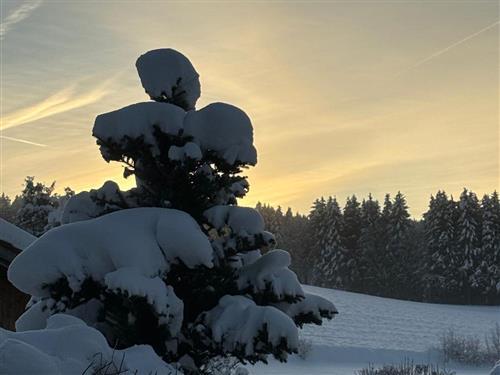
{"x":293,"y":237}
{"x":397,"y":247}
{"x":173,"y":263}
{"x":317,"y":233}
{"x":372,"y":256}
{"x":486,"y":277}
{"x":349,"y":265}
{"x":7,"y":211}
{"x":440,"y":266}
{"x":468,"y":242}
{"x":332,"y":253}
{"x":36,"y":203}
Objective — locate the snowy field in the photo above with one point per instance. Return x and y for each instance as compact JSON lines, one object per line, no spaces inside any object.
{"x":381,"y":330}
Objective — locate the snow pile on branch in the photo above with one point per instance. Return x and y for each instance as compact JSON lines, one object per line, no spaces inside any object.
{"x":148,"y":239}
{"x":237,"y":322}
{"x":68,"y":346}
{"x":14,"y":235}
{"x":270,"y":274}
{"x":219,"y":127}
{"x":189,"y":151}
{"x":157,"y":293}
{"x":137,"y":121}
{"x":97,"y":202}
{"x":239,"y":229}
{"x":241,"y":220}
{"x":168,"y":76}
{"x":311,"y":308}
{"x":225,"y":129}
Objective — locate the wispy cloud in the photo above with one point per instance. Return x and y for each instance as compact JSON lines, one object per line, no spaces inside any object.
{"x":62,"y":101}
{"x":22,"y":141}
{"x":19,"y":14}
{"x":453,"y":45}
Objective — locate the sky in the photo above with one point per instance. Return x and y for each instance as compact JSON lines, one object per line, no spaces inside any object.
{"x":346,"y":97}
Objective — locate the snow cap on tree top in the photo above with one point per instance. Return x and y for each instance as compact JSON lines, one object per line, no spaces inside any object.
{"x":169,"y":76}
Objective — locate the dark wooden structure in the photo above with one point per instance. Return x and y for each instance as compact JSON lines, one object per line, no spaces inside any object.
{"x":12,"y":301}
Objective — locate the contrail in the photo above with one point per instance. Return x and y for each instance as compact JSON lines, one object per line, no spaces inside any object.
{"x":440,"y":52}
{"x":17,"y":16}
{"x":59,"y":102}
{"x":22,"y":141}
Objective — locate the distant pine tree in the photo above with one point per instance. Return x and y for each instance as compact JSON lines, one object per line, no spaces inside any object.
{"x":486,"y":277}
{"x":372,"y":261}
{"x":384,"y":280}
{"x":349,"y":270}
{"x":440,"y":266}
{"x":331,"y":250}
{"x":317,"y":232}
{"x":7,"y":211}
{"x":294,"y":237}
{"x":468,"y":242}
{"x":398,"y":255}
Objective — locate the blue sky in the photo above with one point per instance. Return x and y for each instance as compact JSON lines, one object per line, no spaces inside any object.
{"x":345,"y":97}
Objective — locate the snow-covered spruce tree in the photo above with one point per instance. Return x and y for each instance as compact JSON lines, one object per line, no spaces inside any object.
{"x":468,"y":242}
{"x":7,"y":210}
{"x":349,"y":264}
{"x":332,"y":252}
{"x":440,"y":268}
{"x":317,"y":232}
{"x":486,"y":277}
{"x":173,"y":263}
{"x":399,"y":266}
{"x":372,"y":261}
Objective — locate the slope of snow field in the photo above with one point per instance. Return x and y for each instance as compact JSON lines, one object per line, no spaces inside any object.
{"x":379,"y":330}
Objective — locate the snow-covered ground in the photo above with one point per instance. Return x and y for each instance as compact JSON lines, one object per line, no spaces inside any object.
{"x":381,"y":330}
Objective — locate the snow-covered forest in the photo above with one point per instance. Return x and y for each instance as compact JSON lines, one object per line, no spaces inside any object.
{"x":452,"y":255}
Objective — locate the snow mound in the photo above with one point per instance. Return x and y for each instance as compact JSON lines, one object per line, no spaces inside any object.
{"x":270,"y":273}
{"x":14,"y":235}
{"x":68,"y":346}
{"x":225,"y":129}
{"x":236,"y":322}
{"x":126,"y":125}
{"x":168,"y":75}
{"x":149,"y":239}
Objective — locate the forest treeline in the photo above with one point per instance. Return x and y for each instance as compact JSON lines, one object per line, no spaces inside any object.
{"x":451,"y":255}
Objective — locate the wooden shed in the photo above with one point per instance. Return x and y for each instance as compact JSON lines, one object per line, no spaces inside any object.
{"x":12,"y":302}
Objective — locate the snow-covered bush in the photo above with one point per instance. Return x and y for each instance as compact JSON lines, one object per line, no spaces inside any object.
{"x":172,"y":263}
{"x":471,"y":350}
{"x":405,"y":368}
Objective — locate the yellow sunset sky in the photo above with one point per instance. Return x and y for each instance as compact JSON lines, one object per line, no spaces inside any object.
{"x":346,"y":97}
